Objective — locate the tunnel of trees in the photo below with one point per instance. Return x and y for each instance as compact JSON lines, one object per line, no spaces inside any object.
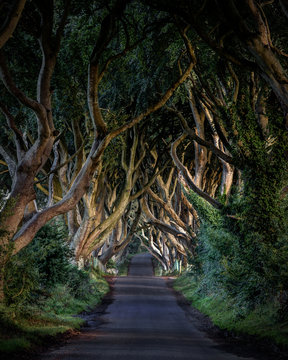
{"x":160,"y":125}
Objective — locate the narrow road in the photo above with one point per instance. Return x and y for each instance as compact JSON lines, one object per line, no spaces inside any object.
{"x":143,"y":322}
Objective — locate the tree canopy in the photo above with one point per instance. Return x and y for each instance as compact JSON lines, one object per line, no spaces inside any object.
{"x":155,"y":121}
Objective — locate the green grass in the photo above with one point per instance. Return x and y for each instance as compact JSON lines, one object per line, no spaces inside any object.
{"x":261,"y":322}
{"x":22,"y":333}
{"x":29,"y":326}
{"x":12,"y":345}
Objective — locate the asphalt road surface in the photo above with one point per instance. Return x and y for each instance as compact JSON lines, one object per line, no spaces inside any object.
{"x":143,"y":322}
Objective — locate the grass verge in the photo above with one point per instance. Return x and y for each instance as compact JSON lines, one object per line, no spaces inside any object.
{"x":262,"y":322}
{"x":25,"y":328}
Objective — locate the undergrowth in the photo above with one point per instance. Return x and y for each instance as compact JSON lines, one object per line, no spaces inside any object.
{"x":262,"y":321}
{"x":44,"y":291}
{"x":238,"y":276}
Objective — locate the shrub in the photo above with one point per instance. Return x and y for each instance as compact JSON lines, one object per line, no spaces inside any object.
{"x":239,"y":263}
{"x":21,"y":280}
{"x":43,"y":273}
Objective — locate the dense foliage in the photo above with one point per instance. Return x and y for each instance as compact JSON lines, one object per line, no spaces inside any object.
{"x":43,"y":273}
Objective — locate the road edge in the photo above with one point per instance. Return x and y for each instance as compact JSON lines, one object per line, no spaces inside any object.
{"x":238,"y":344}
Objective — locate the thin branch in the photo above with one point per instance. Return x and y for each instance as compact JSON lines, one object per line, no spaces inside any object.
{"x":170,"y":211}
{"x":20,"y":96}
{"x":151,"y":251}
{"x":61,"y":165}
{"x":11,"y":24}
{"x":52,"y":172}
{"x":117,"y":56}
{"x":187,"y":175}
{"x":192,"y":135}
{"x":8,"y":161}
{"x":156,"y":106}
{"x":163,"y":226}
{"x":19,"y":140}
{"x":4,"y":171}
{"x":46,"y":192}
{"x":132,"y":231}
{"x":148,"y":184}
